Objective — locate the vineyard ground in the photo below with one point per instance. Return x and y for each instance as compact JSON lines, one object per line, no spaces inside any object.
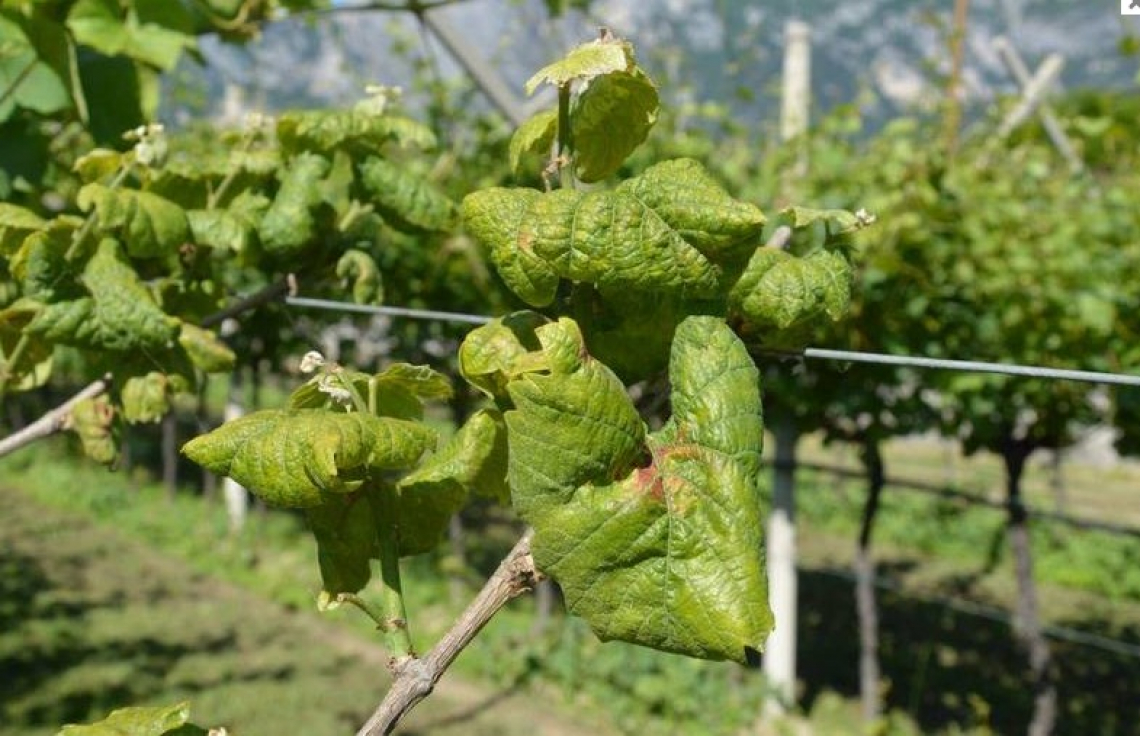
{"x":91,"y":620}
{"x":944,"y":668}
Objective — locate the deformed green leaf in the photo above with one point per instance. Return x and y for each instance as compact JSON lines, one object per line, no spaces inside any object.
{"x":220,"y":229}
{"x":655,"y":539}
{"x":41,"y":264}
{"x":664,"y":232}
{"x":146,"y":398}
{"x":16,"y":223}
{"x":584,"y":63}
{"x":150,"y":225}
{"x":324,"y":130}
{"x":490,"y":355}
{"x":780,"y":290}
{"x":345,"y":529}
{"x":94,"y":165}
{"x":289,"y":223}
{"x":145,"y":721}
{"x":205,"y":349}
{"x":473,"y":461}
{"x":120,"y":315}
{"x":612,"y":117}
{"x":291,"y":457}
{"x":93,"y":421}
{"x":33,"y":369}
{"x":687,"y":197}
{"x":406,"y":200}
{"x":572,"y":423}
{"x":499,"y":219}
{"x":534,"y":136}
{"x":400,"y":389}
{"x":361,"y":269}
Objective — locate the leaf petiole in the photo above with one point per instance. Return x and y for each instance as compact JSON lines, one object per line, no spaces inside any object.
{"x":394,"y":621}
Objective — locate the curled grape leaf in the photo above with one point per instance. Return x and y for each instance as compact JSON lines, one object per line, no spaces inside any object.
{"x":120,"y":314}
{"x":145,"y":398}
{"x":92,"y":420}
{"x":16,"y":223}
{"x":344,"y":526}
{"x":584,"y":63}
{"x":399,"y":390}
{"x":361,"y":269}
{"x":220,"y":229}
{"x":148,"y":721}
{"x":685,"y":195}
{"x":324,"y":130}
{"x":407,"y":201}
{"x":500,"y":219}
{"x":473,"y":461}
{"x":612,"y":117}
{"x":781,"y":290}
{"x":289,"y":223}
{"x":98,"y":163}
{"x":662,"y":232}
{"x":492,"y":354}
{"x":205,"y":349}
{"x":534,"y":136}
{"x":655,"y":539}
{"x":291,"y":457}
{"x":150,"y":225}
{"x":33,"y":369}
{"x":41,"y":264}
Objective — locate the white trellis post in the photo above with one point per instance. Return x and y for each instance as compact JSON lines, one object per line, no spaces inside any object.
{"x":780,"y":649}
{"x":236,"y":497}
{"x":1020,"y":73}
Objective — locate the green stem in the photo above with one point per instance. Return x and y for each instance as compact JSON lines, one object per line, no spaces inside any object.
{"x":373,"y":395}
{"x":20,"y":77}
{"x":85,"y":229}
{"x":216,"y":196}
{"x":565,"y":141}
{"x":364,"y":606}
{"x":395,"y":617}
{"x":357,"y":400}
{"x":9,"y":368}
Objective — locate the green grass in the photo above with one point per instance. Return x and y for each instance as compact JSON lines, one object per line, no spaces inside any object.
{"x":946,"y":672}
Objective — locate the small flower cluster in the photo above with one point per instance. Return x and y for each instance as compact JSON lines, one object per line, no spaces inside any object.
{"x":328,"y":382}
{"x":151,"y":147}
{"x":379,"y":98}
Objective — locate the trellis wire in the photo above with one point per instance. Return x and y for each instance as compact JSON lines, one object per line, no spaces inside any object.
{"x":1060,"y":633}
{"x":976,"y":366}
{"x":955,"y":494}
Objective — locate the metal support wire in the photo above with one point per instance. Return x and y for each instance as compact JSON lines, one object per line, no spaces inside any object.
{"x":997,"y":615}
{"x":428,"y":314}
{"x":1029,"y":371}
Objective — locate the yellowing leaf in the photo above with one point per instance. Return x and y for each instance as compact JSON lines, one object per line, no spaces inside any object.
{"x":654,"y":539}
{"x":16,"y":223}
{"x":584,"y":63}
{"x":120,"y":315}
{"x":150,"y":225}
{"x":407,"y":201}
{"x":289,"y":458}
{"x":150,"y":721}
{"x":534,"y":136}
{"x":205,"y":349}
{"x":361,"y":270}
{"x":611,"y":118}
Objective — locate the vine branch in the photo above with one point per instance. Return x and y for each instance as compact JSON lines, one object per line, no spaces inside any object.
{"x":279,"y":288}
{"x":54,"y":420}
{"x":415,"y":678}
